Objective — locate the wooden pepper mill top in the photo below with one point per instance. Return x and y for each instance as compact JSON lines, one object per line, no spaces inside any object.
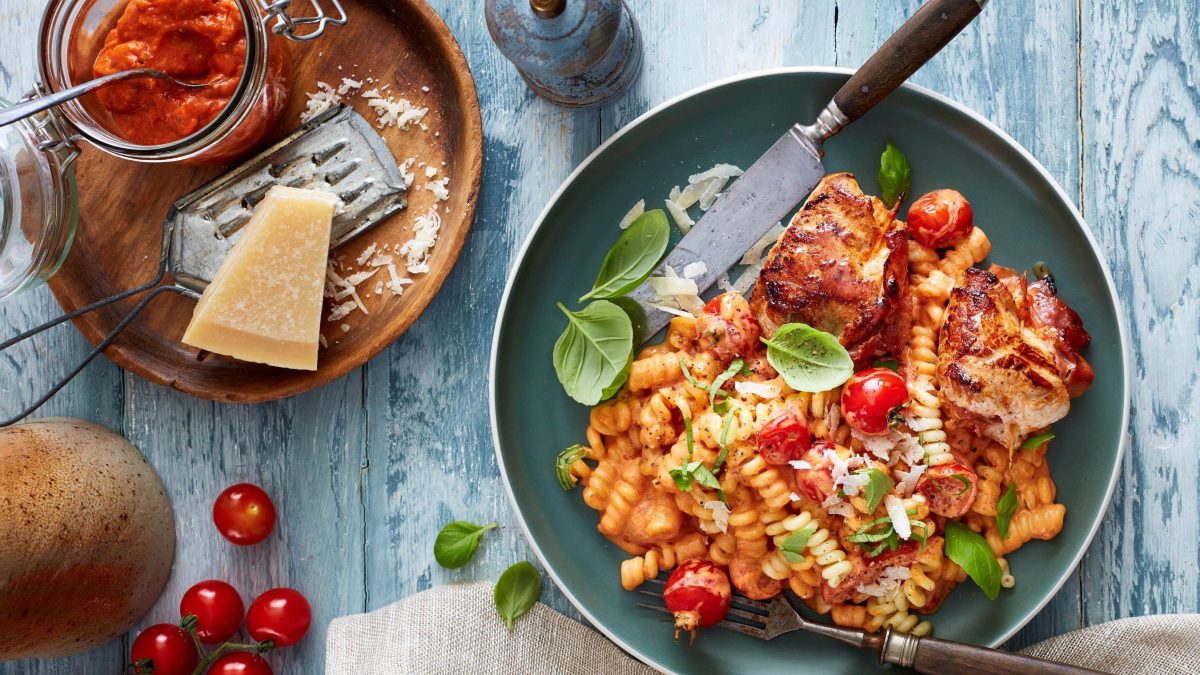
{"x":572,"y":52}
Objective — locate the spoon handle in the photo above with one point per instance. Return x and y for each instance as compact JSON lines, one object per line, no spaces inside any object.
{"x":35,"y":105}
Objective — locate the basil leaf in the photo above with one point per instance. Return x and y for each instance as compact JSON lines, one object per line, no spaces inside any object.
{"x":516,"y":592}
{"x":593,"y":355}
{"x":1038,"y":441}
{"x":971,"y":552}
{"x":880,"y":484}
{"x":705,"y":477}
{"x":808,"y":359}
{"x":890,"y":364}
{"x":457,"y":541}
{"x":895,"y":175}
{"x":562,"y":465}
{"x":717,"y":387}
{"x":633,"y":257}
{"x":793,"y":546}
{"x":1005,"y":508}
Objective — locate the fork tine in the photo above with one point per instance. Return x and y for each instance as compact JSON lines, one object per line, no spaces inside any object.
{"x":657,"y":608}
{"x":745,"y":629}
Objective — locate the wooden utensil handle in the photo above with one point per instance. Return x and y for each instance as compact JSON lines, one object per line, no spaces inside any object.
{"x":943,"y":657}
{"x":922,"y":36}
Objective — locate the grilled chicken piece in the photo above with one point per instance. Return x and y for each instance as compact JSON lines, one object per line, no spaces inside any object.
{"x":842,"y":267}
{"x":1003,"y":372}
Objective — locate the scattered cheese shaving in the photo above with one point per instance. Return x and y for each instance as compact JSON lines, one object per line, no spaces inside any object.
{"x":678,"y":292}
{"x":319,"y":101}
{"x":695,"y":269}
{"x":712,"y":188}
{"x":425,"y":234}
{"x":908,"y":479}
{"x":725,"y":171}
{"x":430,"y":171}
{"x":406,"y":171}
{"x":720,"y":514}
{"x":799,"y":464}
{"x":393,"y":112}
{"x":754,"y":254}
{"x":682,"y":220}
{"x":759,"y":389}
{"x":367,"y":253}
{"x":438,"y":188}
{"x":794,"y":497}
{"x":895,"y":509}
{"x":633,"y":214}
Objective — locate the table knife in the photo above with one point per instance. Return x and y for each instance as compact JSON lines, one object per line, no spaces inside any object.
{"x":787,"y":172}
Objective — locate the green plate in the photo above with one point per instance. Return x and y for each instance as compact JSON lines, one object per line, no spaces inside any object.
{"x":1024,"y":212}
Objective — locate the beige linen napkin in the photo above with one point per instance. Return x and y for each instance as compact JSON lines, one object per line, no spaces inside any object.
{"x":454,"y":629}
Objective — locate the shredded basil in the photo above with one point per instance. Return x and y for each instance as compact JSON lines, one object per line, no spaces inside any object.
{"x":808,"y":359}
{"x":964,"y":480}
{"x":562,"y":465}
{"x":516,"y":592}
{"x":895,"y":175}
{"x":1038,"y":441}
{"x":457,"y":541}
{"x":593,"y":355}
{"x":1005,"y":508}
{"x":633,"y":257}
{"x":682,"y":474}
{"x":971,"y":552}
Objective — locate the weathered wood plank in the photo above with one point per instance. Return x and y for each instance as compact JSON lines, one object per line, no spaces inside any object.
{"x":28,"y":370}
{"x":1141,"y":116}
{"x":987,"y":68}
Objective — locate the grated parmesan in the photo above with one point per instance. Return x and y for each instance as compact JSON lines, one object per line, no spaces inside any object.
{"x":395,"y":112}
{"x":425,"y":234}
{"x":438,"y":188}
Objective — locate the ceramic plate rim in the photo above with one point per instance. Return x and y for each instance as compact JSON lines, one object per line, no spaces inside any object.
{"x":938,"y":98}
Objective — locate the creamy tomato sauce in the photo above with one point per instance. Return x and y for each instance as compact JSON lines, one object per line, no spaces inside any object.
{"x":193,"y":40}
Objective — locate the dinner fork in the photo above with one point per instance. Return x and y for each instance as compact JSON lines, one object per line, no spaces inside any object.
{"x":768,"y":620}
{"x":35,"y":105}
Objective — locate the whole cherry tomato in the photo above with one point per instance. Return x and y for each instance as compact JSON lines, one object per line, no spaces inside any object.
{"x":218,"y":610}
{"x":697,"y":593}
{"x":784,"y":438}
{"x":281,"y":615}
{"x":869,"y":397}
{"x":244,"y":514}
{"x":940,"y":219}
{"x":167,"y":649}
{"x":240,"y":663}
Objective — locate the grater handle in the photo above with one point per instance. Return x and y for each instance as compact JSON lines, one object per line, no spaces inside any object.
{"x":108,"y":340}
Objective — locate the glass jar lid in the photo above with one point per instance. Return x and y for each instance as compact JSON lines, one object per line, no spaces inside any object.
{"x":37,"y":202}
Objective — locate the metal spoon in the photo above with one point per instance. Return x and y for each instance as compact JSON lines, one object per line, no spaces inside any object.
{"x":35,"y":105}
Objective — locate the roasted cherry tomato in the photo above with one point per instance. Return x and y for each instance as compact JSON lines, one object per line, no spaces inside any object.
{"x":281,"y":615}
{"x":940,"y":219}
{"x":727,"y":327}
{"x":240,"y":663}
{"x":244,"y":514}
{"x":816,"y":480}
{"x":950,"y":489}
{"x":784,"y":438}
{"x":869,"y":397}
{"x":164,"y":649}
{"x":697,"y":593}
{"x":218,"y":610}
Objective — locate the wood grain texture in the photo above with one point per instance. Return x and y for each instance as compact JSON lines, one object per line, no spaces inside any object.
{"x":107,"y":259}
{"x":367,"y":468}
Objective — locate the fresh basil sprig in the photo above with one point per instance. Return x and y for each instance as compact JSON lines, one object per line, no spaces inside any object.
{"x":593,"y":355}
{"x":633,"y":257}
{"x":808,"y":359}
{"x":878,"y":485}
{"x":1005,"y":508}
{"x":895,"y":175}
{"x":516,"y":592}
{"x":971,"y":552}
{"x":1035,"y":442}
{"x":793,"y":547}
{"x":562,"y":465}
{"x":456,"y":543}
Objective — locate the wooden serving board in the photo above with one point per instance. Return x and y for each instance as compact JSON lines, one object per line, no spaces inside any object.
{"x":122,"y":204}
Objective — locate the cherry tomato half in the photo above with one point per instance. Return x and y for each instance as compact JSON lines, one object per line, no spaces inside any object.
{"x":218,"y":610}
{"x":869,"y":396}
{"x":240,"y":663}
{"x":697,"y":593}
{"x":167,"y":648}
{"x":940,"y":219}
{"x":784,"y":438}
{"x":281,"y":615}
{"x":244,"y":514}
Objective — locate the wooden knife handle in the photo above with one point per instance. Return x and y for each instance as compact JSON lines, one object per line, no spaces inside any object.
{"x":943,"y":657}
{"x":922,"y":36}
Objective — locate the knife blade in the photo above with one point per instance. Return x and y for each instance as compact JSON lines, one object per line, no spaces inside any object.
{"x":791,"y":168}
{"x":762,"y":196}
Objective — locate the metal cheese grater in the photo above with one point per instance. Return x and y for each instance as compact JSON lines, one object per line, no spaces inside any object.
{"x":338,"y":152}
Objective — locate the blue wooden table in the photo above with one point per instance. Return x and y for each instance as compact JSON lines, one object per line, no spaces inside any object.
{"x":365,"y":470}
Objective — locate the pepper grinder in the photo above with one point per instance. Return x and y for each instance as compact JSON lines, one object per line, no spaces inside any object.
{"x":575,"y":53}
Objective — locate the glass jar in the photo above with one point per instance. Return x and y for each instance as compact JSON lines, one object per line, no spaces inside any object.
{"x":71,"y":35}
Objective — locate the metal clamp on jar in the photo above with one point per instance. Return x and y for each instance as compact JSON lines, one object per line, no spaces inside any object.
{"x":37,"y":188}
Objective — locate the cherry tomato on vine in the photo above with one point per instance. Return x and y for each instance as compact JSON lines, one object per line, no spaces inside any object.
{"x":697,"y":593}
{"x":869,"y":397}
{"x":940,"y":219}
{"x":281,"y":615}
{"x":784,"y":438}
{"x":240,"y":663}
{"x":244,"y":514}
{"x":218,"y":610}
{"x":168,"y":649}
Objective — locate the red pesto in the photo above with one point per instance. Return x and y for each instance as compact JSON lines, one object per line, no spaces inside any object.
{"x":193,"y":40}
